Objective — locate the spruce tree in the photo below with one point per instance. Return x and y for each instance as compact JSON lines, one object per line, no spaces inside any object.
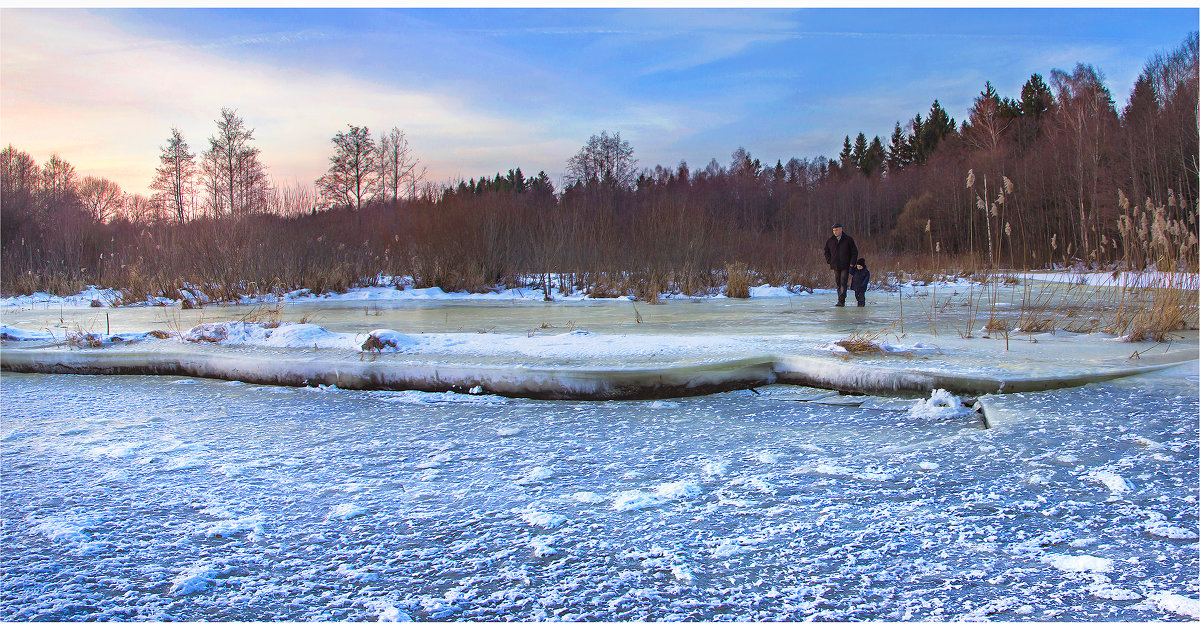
{"x":845,"y":160}
{"x":873,"y":158}
{"x":896,"y":150}
{"x":916,"y":150}
{"x":859,"y":156}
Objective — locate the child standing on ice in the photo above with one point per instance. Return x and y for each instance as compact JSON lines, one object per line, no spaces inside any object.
{"x":858,"y":283}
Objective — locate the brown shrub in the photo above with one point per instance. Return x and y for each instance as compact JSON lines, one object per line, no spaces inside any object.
{"x":737,"y":280}
{"x":375,"y":344}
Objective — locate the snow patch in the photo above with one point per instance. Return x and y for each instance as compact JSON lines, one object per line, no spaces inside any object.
{"x":1114,"y":593}
{"x":1114,"y":482}
{"x":345,"y":512}
{"x":1079,"y":564}
{"x":545,"y":520}
{"x":1177,"y":604}
{"x":767,"y":457}
{"x":393,"y":614}
{"x":199,"y":577}
{"x":537,"y":475}
{"x":729,"y":547}
{"x":716,"y":469}
{"x":1166,"y":530}
{"x":8,"y":333}
{"x":592,"y":498}
{"x":664,"y":493}
{"x":940,"y":405}
{"x":228,"y":528}
{"x":542,"y":546}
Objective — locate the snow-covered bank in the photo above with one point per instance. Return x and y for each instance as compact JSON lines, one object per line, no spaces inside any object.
{"x":1141,"y":279}
{"x":387,"y":289}
{"x":668,"y":366}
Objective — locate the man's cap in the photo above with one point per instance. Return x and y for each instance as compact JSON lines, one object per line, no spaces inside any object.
{"x":837,"y":225}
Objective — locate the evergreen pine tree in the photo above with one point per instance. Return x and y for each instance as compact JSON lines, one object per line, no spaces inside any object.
{"x":897,"y":148}
{"x":859,"y":155}
{"x":873,"y":158}
{"x":845,"y":161}
{"x":916,"y":150}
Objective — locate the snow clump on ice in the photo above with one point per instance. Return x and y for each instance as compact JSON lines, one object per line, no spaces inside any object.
{"x":663,"y":493}
{"x":1177,"y":604}
{"x":198,"y":577}
{"x":8,"y":333}
{"x":538,"y":474}
{"x":346,"y":511}
{"x":941,"y":405}
{"x":1163,"y":530}
{"x":1080,"y":564}
{"x":1114,"y":482}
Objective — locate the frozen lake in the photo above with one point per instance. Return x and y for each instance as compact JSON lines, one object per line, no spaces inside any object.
{"x":157,"y":498}
{"x":189,"y":499}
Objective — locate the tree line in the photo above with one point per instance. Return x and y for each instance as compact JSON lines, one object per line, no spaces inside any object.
{"x":1053,"y":175}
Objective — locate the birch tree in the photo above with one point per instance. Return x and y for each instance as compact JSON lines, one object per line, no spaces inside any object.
{"x":235,"y":180}
{"x":399,"y":168}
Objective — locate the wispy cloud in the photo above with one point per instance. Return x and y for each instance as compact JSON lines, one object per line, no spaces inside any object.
{"x":264,"y":39}
{"x":108,"y":113}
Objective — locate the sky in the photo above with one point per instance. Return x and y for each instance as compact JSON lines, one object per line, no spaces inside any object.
{"x":480,"y":91}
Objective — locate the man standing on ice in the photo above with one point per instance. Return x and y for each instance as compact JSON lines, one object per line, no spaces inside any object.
{"x":840,"y":253}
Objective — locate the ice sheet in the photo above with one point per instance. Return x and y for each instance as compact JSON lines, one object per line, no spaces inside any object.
{"x":159,"y":498}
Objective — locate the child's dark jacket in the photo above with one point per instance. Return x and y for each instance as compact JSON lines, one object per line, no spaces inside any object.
{"x":860,"y":279}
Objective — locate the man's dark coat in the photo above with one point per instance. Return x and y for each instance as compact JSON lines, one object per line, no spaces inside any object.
{"x":840,"y":254}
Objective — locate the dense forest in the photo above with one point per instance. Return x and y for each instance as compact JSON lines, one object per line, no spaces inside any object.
{"x":1055,"y":175}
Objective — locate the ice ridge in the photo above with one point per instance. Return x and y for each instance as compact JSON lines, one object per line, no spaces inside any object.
{"x":296,"y":368}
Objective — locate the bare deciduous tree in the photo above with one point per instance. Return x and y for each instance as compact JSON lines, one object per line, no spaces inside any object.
{"x":144,"y":210}
{"x":101,"y":198}
{"x":399,"y":168}
{"x":985,"y":126}
{"x":235,"y":180}
{"x":604,"y":159}
{"x":174,"y":179}
{"x":58,"y":183}
{"x":353,"y":174}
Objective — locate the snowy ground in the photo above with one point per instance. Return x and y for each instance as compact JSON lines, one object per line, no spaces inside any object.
{"x":156,"y":498}
{"x":400,"y":289}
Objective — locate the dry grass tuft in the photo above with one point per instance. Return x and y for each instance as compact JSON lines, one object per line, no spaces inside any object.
{"x":861,"y":343}
{"x":1033,"y":323}
{"x":737,"y":280}
{"x":649,"y":287}
{"x":1172,"y":310}
{"x":375,"y":344}
{"x":603,"y":285}
{"x":80,"y":339}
